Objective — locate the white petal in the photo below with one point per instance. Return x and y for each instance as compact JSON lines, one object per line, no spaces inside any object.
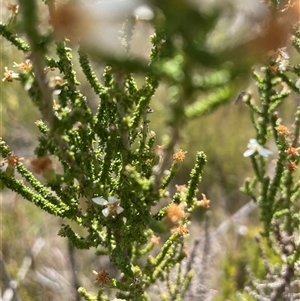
{"x":120,"y":209}
{"x":112,"y":200}
{"x":264,"y":152}
{"x":283,"y":65}
{"x":249,"y":152}
{"x":99,"y":201}
{"x":252,"y":143}
{"x":105,"y":212}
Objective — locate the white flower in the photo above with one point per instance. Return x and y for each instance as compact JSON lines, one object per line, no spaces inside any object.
{"x":283,"y":54}
{"x":253,"y":147}
{"x":282,"y":59}
{"x":282,"y":66}
{"x":112,"y":205}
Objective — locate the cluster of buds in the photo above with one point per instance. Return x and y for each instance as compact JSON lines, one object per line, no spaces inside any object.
{"x":291,"y":151}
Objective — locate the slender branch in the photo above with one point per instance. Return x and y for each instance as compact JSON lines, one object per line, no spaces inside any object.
{"x":10,"y":293}
{"x":24,"y":269}
{"x":75,"y":279}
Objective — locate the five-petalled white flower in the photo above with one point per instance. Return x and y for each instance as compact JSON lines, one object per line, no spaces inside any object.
{"x":254,"y":146}
{"x":112,"y":205}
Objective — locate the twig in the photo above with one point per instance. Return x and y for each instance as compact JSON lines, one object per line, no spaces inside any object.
{"x":25,"y":266}
{"x":75,"y":279}
{"x":49,"y":277}
{"x":10,"y":292}
{"x":234,"y":219}
{"x":201,"y":257}
{"x":28,"y":260}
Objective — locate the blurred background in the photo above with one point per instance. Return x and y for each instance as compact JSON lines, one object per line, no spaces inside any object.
{"x":44,"y":264}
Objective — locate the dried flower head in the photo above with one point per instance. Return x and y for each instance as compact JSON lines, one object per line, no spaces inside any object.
{"x":175,"y":213}
{"x":24,"y":66}
{"x":44,"y":166}
{"x":204,"y":202}
{"x":102,"y":277}
{"x":179,"y":156}
{"x":112,"y":205}
{"x":292,"y":166}
{"x":181,"y":230}
{"x":292,"y":151}
{"x":159,"y":149}
{"x":11,"y":160}
{"x":9,"y":75}
{"x":41,"y":164}
{"x":180,"y":188}
{"x":155,"y":240}
{"x":67,"y":20}
{"x":283,"y":130}
{"x":14,"y":8}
